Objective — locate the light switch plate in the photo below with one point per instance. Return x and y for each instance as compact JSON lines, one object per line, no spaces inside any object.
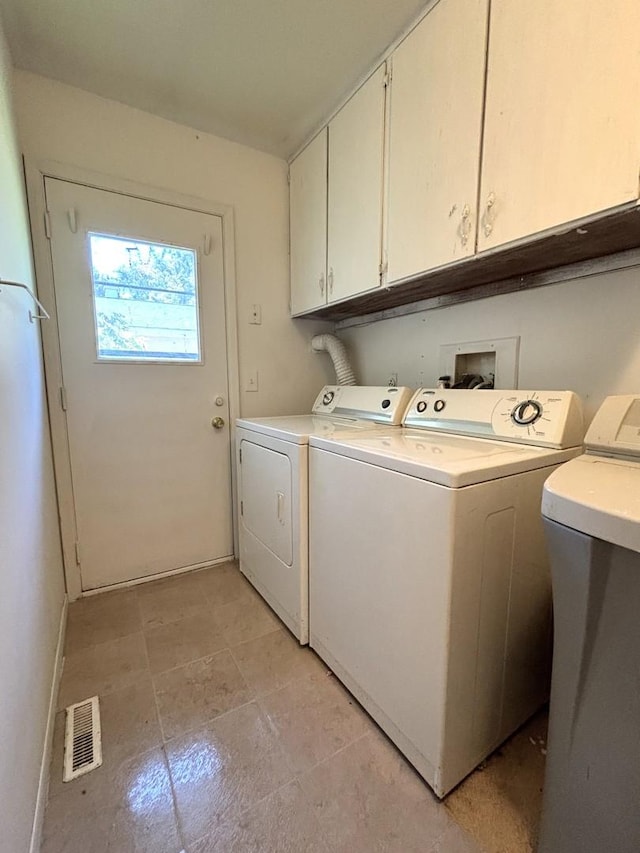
{"x":251,"y":381}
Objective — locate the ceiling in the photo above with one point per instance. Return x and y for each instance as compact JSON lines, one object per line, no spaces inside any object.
{"x":261,"y":72}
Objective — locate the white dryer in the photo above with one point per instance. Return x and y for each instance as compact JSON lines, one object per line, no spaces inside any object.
{"x":429,"y":581}
{"x":272,"y":465}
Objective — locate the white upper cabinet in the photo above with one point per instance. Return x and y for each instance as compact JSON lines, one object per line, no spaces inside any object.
{"x":437,"y":93}
{"x":562,"y":125}
{"x":356,"y":163}
{"x":308,"y":228}
{"x":503,"y":120}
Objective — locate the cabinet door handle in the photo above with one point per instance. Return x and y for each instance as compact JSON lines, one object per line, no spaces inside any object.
{"x":321,"y":283}
{"x":489,"y":215}
{"x":280,"y":506}
{"x":330,"y":280}
{"x":464,"y":228}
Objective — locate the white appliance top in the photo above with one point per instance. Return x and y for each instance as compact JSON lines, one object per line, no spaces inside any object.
{"x":337,"y":409}
{"x":615,"y":430}
{"x":449,"y":460}
{"x":599,"y":493}
{"x":542,"y":418}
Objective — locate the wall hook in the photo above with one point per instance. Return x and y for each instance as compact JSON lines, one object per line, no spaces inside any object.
{"x":43,"y":311}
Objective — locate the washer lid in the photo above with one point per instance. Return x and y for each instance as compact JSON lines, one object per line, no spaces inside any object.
{"x":298,"y":428}
{"x":449,"y":460}
{"x":597,"y":496}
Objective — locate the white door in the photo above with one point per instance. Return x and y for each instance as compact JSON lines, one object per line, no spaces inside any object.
{"x":140,"y":305}
{"x":356,"y":164}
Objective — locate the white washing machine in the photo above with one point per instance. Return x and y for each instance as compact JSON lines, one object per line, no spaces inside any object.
{"x":272,"y":459}
{"x":429,"y":581}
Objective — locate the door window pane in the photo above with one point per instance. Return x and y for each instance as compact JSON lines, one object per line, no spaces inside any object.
{"x":145,"y":300}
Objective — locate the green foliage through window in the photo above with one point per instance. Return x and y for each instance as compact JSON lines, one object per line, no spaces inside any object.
{"x":145,"y":298}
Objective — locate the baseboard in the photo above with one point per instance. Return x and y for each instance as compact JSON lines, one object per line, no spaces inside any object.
{"x":43,"y":784}
{"x":184,"y":570}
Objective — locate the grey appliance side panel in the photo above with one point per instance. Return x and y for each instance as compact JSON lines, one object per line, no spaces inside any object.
{"x":592,"y":783}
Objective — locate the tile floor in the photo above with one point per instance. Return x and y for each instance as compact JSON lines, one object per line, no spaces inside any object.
{"x":222,"y":735}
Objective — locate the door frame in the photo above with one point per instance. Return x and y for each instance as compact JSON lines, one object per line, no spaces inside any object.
{"x":35,"y":174}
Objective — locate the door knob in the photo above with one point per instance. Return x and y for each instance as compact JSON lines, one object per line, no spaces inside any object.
{"x":217,"y":423}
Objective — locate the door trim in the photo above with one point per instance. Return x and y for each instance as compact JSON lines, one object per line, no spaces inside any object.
{"x":35,"y":174}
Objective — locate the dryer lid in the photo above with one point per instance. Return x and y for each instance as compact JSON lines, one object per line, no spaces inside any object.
{"x":298,"y":428}
{"x":336,"y":408}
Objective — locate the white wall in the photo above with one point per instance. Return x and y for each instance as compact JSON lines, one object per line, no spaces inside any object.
{"x":31,"y":580}
{"x":58,"y":122}
{"x":582,"y":335}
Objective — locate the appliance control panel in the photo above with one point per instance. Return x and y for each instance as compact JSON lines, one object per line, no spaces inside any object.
{"x":615,"y":429}
{"x":367,"y":402}
{"x":545,"y":418}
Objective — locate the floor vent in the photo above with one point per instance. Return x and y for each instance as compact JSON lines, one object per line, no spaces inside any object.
{"x":82,"y":741}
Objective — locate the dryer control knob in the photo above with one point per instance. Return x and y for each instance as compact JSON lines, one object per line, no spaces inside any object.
{"x":385,"y":404}
{"x":328,"y":397}
{"x":439,"y":405}
{"x":421,"y":407}
{"x":527,"y":412}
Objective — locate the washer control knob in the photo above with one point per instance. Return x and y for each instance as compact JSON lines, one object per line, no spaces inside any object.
{"x":527,"y":412}
{"x":439,"y":405}
{"x":328,"y":397}
{"x":421,"y":407}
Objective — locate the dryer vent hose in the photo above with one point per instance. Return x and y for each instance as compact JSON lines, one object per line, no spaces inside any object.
{"x":338,"y":353}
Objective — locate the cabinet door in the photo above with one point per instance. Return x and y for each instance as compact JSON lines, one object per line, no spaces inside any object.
{"x":356,"y":162}
{"x":308,"y":229}
{"x":562,"y":126}
{"x":437,"y":93}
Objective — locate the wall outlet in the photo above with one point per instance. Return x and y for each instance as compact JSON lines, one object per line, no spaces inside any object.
{"x":251,"y":381}
{"x":392,"y":381}
{"x":255,"y":315}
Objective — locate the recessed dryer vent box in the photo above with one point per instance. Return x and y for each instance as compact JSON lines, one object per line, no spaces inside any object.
{"x":497,"y":357}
